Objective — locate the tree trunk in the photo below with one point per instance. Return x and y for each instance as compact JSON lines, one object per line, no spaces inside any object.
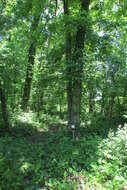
{"x":91,"y":101}
{"x":111,"y":106}
{"x":60,"y":108}
{"x":29,"y":76}
{"x":29,"y":73}
{"x":3,"y":106}
{"x":102,"y":104}
{"x":76,"y":103}
{"x":68,"y":67}
{"x":78,"y":68}
{"x":113,"y":95}
{"x":74,"y":75}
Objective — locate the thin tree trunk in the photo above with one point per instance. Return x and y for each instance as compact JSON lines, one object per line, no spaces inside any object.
{"x":118,"y":100}
{"x":3,"y":106}
{"x":38,"y":106}
{"x":39,"y":103}
{"x":111,"y":106}
{"x":60,"y":108}
{"x":91,"y":101}
{"x":102,"y":103}
{"x":113,"y":95}
{"x":29,"y":73}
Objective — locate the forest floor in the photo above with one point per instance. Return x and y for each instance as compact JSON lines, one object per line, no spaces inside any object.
{"x":39,"y":156}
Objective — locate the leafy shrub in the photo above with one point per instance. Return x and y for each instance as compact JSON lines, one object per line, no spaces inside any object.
{"x":56,"y":161}
{"x":111,"y":167}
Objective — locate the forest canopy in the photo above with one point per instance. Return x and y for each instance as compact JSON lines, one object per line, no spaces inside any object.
{"x":64,"y":57}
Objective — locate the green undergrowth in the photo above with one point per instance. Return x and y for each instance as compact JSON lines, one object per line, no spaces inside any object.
{"x":32,"y":158}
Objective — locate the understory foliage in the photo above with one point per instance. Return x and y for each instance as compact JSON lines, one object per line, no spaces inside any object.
{"x":36,"y":158}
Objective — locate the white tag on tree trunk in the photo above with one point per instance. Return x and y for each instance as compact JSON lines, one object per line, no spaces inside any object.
{"x":73,"y":126}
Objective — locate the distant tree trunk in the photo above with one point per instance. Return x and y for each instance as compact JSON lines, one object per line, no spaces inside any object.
{"x":60,"y":108}
{"x":113,"y":95}
{"x":13,"y":98}
{"x":119,"y":110}
{"x":29,"y":73}
{"x":111,"y":106}
{"x":39,"y":103}
{"x":3,"y":106}
{"x":78,"y":68}
{"x":91,"y":101}
{"x":102,"y":103}
{"x":68,"y":67}
{"x":38,"y":106}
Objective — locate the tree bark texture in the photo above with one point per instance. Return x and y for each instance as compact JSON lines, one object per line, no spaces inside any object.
{"x":68,"y":66}
{"x":74,"y":74}
{"x":3,"y":106}
{"x":30,"y":66}
{"x":78,"y":67}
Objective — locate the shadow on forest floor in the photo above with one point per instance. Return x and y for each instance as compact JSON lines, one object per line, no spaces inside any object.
{"x":48,"y":159}
{"x":36,"y":133}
